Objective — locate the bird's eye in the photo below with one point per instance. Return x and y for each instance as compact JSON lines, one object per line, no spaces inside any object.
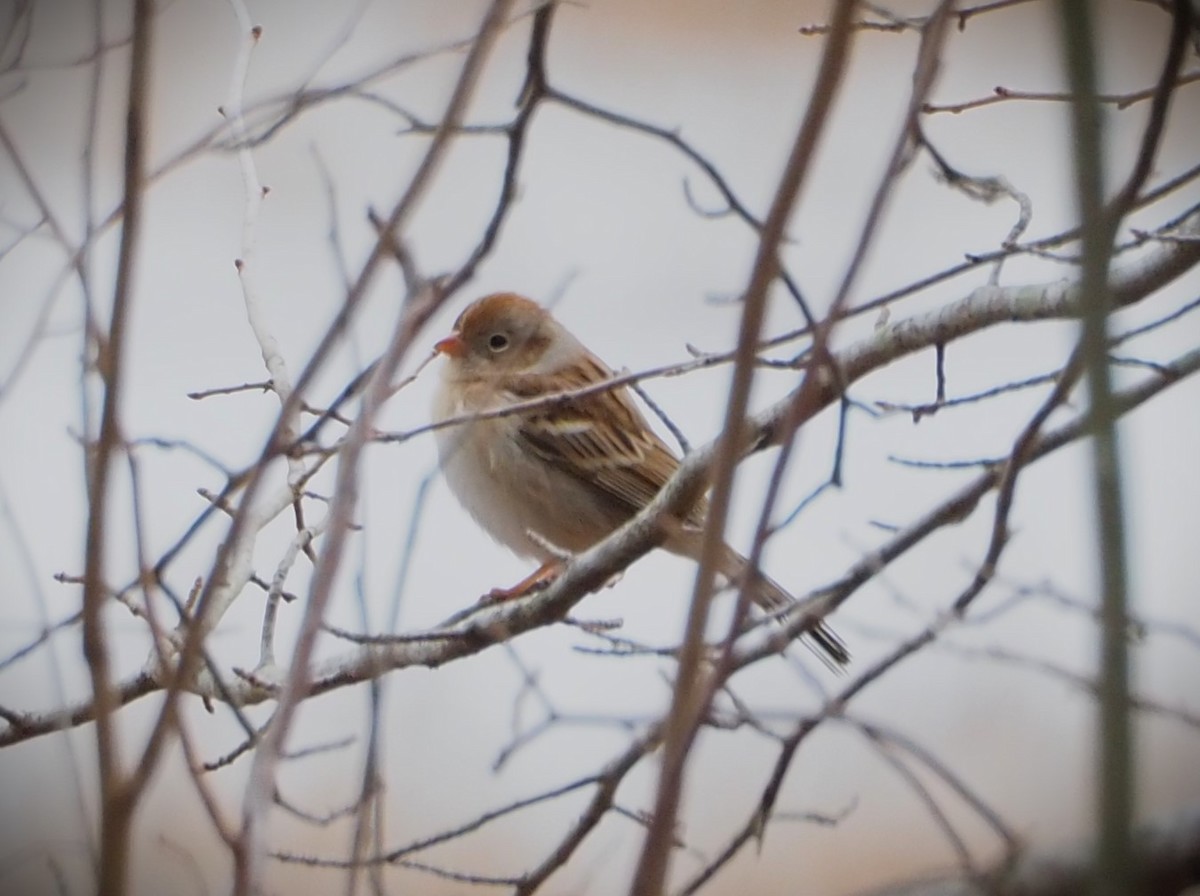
{"x":498,"y":342}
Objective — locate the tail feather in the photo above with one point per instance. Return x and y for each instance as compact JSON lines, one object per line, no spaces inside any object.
{"x":771,"y":596}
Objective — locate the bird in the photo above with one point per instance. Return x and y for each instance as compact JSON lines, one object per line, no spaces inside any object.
{"x":552,"y":481}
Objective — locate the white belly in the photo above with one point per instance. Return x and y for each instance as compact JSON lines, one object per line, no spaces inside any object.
{"x":488,"y":473}
{"x":512,"y":493}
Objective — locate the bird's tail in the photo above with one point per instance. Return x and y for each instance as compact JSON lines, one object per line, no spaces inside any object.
{"x":771,"y":596}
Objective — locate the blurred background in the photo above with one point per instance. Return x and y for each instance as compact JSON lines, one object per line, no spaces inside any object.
{"x":606,"y":227}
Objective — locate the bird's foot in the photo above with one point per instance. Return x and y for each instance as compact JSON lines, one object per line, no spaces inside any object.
{"x":539,"y":579}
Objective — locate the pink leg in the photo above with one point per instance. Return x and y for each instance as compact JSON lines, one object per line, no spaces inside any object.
{"x":539,"y":578}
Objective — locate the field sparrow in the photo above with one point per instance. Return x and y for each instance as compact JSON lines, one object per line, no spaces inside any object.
{"x":564,"y":476}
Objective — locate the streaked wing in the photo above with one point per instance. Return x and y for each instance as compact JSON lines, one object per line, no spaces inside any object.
{"x":602,"y":438}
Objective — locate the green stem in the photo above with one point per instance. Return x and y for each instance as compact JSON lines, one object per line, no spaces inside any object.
{"x":1115,"y":796}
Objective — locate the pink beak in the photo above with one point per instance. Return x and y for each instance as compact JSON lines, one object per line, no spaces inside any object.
{"x":452,"y":345}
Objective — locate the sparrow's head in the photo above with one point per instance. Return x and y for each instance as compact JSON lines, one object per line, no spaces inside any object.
{"x":505,"y":333}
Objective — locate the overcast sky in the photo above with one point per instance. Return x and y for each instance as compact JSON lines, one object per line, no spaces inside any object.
{"x":603,"y":227}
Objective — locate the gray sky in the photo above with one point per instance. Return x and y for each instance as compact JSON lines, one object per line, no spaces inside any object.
{"x":603,"y":226}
